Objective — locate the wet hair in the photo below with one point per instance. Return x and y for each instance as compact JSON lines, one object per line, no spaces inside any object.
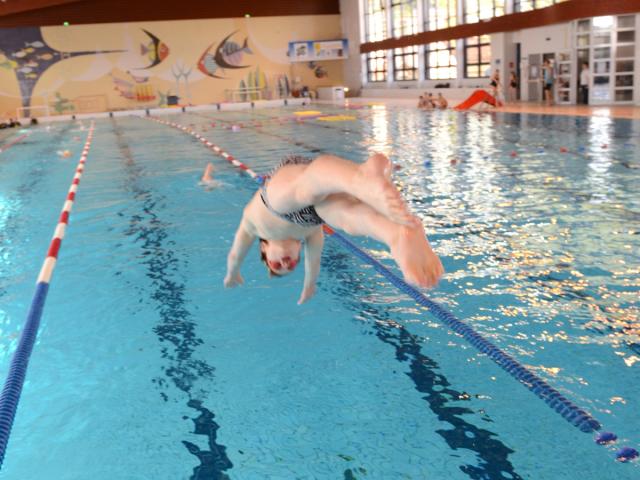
{"x":263,"y":258}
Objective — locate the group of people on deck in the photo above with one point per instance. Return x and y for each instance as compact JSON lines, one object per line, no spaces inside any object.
{"x":429,"y":102}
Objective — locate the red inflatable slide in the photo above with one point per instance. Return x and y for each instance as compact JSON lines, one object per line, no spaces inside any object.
{"x":477,"y":97}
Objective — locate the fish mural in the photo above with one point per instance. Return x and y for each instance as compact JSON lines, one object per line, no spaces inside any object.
{"x":318,"y":70}
{"x":156,"y":50}
{"x":227,"y":55}
{"x":123,"y":87}
{"x":138,"y":79}
{"x":7,"y":63}
{"x":62,"y":105}
{"x":140,"y":92}
{"x":29,"y":56}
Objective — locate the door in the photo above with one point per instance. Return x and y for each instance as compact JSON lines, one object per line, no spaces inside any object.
{"x":533,"y":79}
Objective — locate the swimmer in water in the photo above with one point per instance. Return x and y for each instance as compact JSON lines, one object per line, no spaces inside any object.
{"x":207,"y":174}
{"x":287,"y":213}
{"x":64,"y":153}
{"x":207,"y":179}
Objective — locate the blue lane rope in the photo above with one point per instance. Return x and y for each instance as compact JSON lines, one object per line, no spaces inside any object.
{"x":17,"y":371}
{"x":553,"y":398}
{"x":569,"y":411}
{"x":14,"y":382}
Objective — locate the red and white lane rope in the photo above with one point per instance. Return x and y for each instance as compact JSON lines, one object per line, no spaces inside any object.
{"x":12,"y":389}
{"x":52,"y":255}
{"x":219,"y":151}
{"x":7,"y":146}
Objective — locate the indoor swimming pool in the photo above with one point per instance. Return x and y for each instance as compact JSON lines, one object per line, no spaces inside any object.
{"x":146,"y":367}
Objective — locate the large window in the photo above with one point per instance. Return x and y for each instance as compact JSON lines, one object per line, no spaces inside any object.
{"x":441,"y":62}
{"x":527,"y":5}
{"x":377,"y":66}
{"x":405,"y":63}
{"x":441,"y":14}
{"x":375,"y":17}
{"x":477,"y":57}
{"x":476,"y":10}
{"x":404,"y":15}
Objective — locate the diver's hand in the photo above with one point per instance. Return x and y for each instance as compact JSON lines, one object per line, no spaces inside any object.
{"x":233,"y":279}
{"x":307,"y":293}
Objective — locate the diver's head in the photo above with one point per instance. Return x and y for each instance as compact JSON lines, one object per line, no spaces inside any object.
{"x":280,"y":256}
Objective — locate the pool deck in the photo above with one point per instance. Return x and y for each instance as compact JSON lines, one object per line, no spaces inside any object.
{"x":613,"y":111}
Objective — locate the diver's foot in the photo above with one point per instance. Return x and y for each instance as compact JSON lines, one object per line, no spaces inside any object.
{"x":374,"y":187}
{"x":419,"y":264}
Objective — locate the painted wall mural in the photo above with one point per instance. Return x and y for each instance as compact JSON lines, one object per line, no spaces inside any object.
{"x":29,"y":56}
{"x":120,"y":66}
{"x":227,"y":54}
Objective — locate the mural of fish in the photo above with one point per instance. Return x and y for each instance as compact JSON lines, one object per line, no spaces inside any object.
{"x":156,"y":50}
{"x":227,"y":55}
{"x":30,"y":57}
{"x":138,"y":79}
{"x":7,"y":63}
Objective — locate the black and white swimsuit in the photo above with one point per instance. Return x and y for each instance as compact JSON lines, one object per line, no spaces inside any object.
{"x":305,"y":217}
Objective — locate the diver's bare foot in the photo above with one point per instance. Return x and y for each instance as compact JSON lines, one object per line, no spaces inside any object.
{"x":419,"y":263}
{"x":374,"y":187}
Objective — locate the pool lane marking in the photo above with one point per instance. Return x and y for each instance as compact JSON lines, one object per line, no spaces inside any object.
{"x":12,"y":389}
{"x":215,"y":148}
{"x":7,"y":146}
{"x":552,"y":397}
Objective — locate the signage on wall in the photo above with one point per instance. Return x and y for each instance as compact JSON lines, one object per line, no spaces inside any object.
{"x":309,"y":51}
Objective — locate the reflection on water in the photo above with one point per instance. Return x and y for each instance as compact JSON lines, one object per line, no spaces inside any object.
{"x":540,"y":228}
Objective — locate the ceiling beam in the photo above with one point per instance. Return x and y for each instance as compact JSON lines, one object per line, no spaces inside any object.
{"x":77,"y":12}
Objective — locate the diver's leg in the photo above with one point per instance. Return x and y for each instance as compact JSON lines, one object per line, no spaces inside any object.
{"x":296,"y":186}
{"x":408,"y":244}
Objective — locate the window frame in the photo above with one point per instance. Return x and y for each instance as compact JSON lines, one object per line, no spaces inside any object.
{"x":383,"y":72}
{"x":370,"y":36}
{"x":429,"y":49}
{"x":479,"y":63}
{"x":405,"y":52}
{"x":430,"y":6}
{"x":502,"y":4}
{"x":413,"y":22}
{"x":517,"y":5}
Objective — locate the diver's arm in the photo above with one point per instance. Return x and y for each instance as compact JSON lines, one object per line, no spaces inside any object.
{"x":312,"y":254}
{"x":241,"y":244}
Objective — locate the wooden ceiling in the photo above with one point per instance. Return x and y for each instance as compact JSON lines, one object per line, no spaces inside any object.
{"x":20,"y":13}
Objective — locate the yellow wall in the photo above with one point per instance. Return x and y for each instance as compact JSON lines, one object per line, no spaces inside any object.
{"x":88,"y":81}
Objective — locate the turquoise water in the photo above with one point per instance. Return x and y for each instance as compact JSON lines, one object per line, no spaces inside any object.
{"x":146,"y":367}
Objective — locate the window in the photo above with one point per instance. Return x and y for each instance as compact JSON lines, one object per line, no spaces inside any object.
{"x":441,"y":14}
{"x":476,"y":10}
{"x":477,"y":57}
{"x":441,"y":62}
{"x":375,"y":17}
{"x":377,"y":66}
{"x":405,"y":63}
{"x":527,"y":5}
{"x":404,"y":15}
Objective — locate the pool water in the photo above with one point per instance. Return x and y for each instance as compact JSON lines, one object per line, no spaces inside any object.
{"x":146,"y":367}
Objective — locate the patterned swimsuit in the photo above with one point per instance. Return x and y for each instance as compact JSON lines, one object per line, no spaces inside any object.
{"x":307,"y":216}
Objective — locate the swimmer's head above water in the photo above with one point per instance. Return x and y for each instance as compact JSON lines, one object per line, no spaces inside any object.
{"x":280,"y":256}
